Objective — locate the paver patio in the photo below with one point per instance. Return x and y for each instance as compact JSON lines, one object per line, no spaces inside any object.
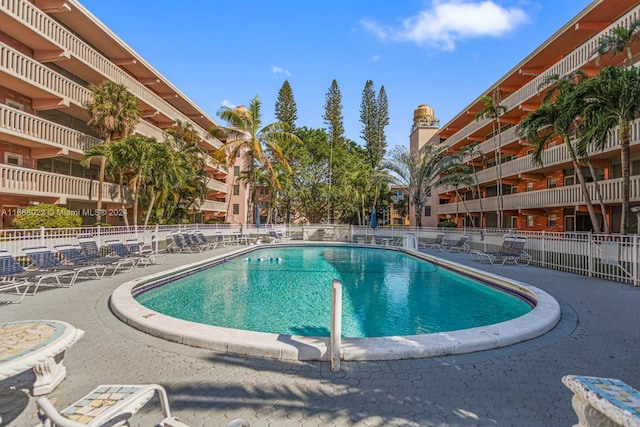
{"x":520,"y":385}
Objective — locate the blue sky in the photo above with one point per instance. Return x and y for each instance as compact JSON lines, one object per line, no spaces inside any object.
{"x":444,"y":53}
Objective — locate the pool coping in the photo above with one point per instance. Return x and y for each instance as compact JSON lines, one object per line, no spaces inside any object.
{"x":544,"y":316}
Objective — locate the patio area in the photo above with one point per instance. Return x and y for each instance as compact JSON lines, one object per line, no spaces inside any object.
{"x":517,"y":385}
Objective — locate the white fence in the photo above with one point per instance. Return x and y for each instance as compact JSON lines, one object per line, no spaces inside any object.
{"x":609,"y":256}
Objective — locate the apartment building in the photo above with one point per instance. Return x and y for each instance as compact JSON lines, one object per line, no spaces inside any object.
{"x":50,"y":52}
{"x":532,"y":197}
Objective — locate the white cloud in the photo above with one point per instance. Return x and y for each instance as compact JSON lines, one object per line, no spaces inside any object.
{"x":449,"y":21}
{"x":226,"y":103}
{"x":376,"y":58}
{"x":278,"y":70}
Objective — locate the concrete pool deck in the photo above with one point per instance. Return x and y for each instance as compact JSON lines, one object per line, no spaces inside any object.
{"x":519,"y":385}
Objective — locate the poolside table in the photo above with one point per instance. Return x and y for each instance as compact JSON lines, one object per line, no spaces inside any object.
{"x":37,"y":345}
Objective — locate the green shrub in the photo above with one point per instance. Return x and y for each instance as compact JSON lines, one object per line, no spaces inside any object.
{"x":47,"y":216}
{"x":447,"y":224}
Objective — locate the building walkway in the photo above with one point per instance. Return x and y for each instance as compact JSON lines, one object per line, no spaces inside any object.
{"x":520,"y":385}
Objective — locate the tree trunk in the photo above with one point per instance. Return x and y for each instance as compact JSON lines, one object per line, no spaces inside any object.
{"x":583,"y":187}
{"x":624,"y":158}
{"x":603,"y":208}
{"x":153,"y":200}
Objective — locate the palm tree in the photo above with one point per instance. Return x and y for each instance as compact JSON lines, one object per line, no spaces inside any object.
{"x":459,"y":176}
{"x":163,"y":183}
{"x":551,"y":121}
{"x":418,"y":173}
{"x":612,"y":101}
{"x":564,"y":90}
{"x":620,"y":40}
{"x":493,"y":110}
{"x":472,"y":151}
{"x":114,"y":113}
{"x":258,"y":146}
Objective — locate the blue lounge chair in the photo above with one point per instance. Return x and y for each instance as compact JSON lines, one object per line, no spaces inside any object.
{"x":13,"y":276}
{"x":121,"y":251}
{"x":45,"y":260}
{"x":92,"y":252}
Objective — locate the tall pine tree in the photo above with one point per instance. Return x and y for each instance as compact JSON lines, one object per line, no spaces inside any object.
{"x":374,"y":115}
{"x":335,"y":128}
{"x":286,"y":110}
{"x":383,"y":122}
{"x":369,"y":120}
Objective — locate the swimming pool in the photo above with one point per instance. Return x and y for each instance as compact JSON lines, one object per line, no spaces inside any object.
{"x":284,"y":345}
{"x":288,"y":291}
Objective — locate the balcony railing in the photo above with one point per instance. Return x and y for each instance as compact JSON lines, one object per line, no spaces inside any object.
{"x":551,"y":156}
{"x":34,"y":128}
{"x":210,"y":205}
{"x":571,"y":62}
{"x":31,"y":182}
{"x":24,"y":68}
{"x":569,"y":195}
{"x":214,"y":184}
{"x":33,"y":17}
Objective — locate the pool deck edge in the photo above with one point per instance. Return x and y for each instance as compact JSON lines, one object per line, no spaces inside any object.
{"x":544,"y":316}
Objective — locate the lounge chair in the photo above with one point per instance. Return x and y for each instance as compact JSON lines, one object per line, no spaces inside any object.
{"x":92,"y":253}
{"x":179,"y":244}
{"x":13,"y":276}
{"x":46,"y":261}
{"x":112,"y":405}
{"x":459,"y":246}
{"x":77,"y":258}
{"x":105,"y":405}
{"x":437,"y":244}
{"x":121,"y":251}
{"x":511,"y":251}
{"x":201,"y":238}
{"x":274,"y":236}
{"x":191,"y":241}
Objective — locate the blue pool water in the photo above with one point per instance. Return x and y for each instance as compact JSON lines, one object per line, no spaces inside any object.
{"x":288,"y":291}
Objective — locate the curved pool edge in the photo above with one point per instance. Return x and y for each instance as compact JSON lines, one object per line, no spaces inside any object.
{"x":544,"y":316}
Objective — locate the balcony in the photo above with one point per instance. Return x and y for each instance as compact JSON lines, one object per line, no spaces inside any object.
{"x":566,"y":196}
{"x":210,"y":205}
{"x":551,"y":157}
{"x":86,"y":62}
{"x":31,"y":182}
{"x":32,"y":131}
{"x":46,"y":88}
{"x":571,"y":62}
{"x":215,"y":185}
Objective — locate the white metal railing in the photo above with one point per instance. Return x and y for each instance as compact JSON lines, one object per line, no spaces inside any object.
{"x":571,"y":62}
{"x":48,"y":28}
{"x":608,"y":256}
{"x":25,"y":181}
{"x":31,"y":127}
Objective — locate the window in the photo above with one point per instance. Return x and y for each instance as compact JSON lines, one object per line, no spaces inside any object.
{"x":551,"y":144}
{"x":236,"y":171}
{"x":529,"y":220}
{"x":14,"y":104}
{"x":551,"y":182}
{"x":552,"y":220}
{"x":529,"y":186}
{"x":236,"y":190}
{"x":427,"y":211}
{"x":236,"y":209}
{"x":13,"y":159}
{"x":263,"y":191}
